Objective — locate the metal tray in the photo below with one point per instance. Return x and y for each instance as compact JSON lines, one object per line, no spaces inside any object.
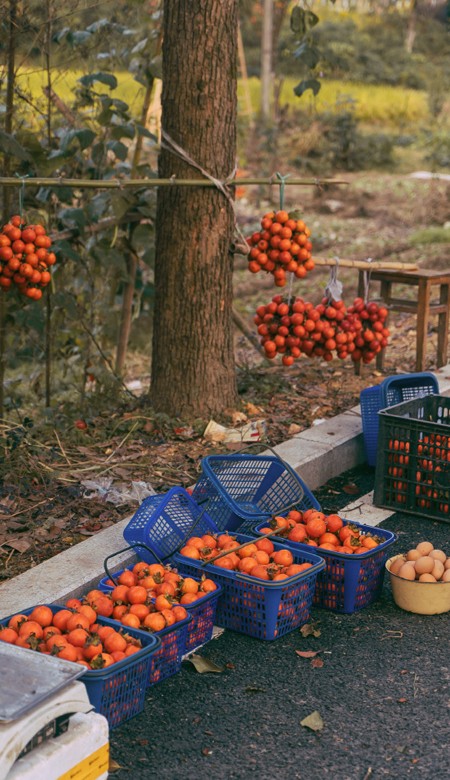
{"x":28,"y":677}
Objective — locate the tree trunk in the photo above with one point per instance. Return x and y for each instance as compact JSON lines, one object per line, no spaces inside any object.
{"x":266,"y":60}
{"x":193,"y":372}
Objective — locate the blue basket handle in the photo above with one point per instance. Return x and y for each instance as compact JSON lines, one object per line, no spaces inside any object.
{"x":286,"y":466}
{"x":130,"y":547}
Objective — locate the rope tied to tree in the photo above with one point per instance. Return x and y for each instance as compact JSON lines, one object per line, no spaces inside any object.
{"x":222,"y":185}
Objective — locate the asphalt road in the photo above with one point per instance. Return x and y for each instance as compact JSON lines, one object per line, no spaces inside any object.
{"x":383,"y":693}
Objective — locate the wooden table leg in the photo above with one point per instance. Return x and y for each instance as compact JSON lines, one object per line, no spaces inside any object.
{"x":443,"y":326}
{"x":423,"y":301}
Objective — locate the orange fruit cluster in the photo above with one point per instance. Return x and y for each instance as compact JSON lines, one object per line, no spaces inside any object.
{"x":72,"y":634}
{"x":282,"y":246}
{"x":160,"y":583}
{"x":368,"y":320}
{"x":327,"y":532}
{"x":258,"y":558}
{"x":295,"y":327}
{"x":25,"y":257}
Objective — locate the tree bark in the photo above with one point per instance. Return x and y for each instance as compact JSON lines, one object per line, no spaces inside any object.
{"x":267,"y":60}
{"x":193,"y":371}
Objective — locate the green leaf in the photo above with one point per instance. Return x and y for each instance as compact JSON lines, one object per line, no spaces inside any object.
{"x":123,"y":131}
{"x":119,"y":149}
{"x":73,"y":218}
{"x":120,"y":106}
{"x":313,"y":721}
{"x":309,"y":55}
{"x":84,"y":137}
{"x":120,"y":204}
{"x":10,"y":147}
{"x":98,"y":206}
{"x":66,"y":250}
{"x":306,"y":84}
{"x":298,"y":21}
{"x":146,"y":133}
{"x":204,"y":665}
{"x":103,"y":78}
{"x":302,"y":21}
{"x":311,"y":20}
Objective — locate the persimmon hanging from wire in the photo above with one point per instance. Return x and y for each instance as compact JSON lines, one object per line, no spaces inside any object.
{"x":25,"y":258}
{"x":282,"y":246}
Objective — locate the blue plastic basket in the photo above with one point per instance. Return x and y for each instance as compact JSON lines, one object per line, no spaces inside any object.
{"x":165,"y":524}
{"x":348,"y":582}
{"x":393,"y":390}
{"x":241,"y":489}
{"x":118,"y":691}
{"x":202,"y":612}
{"x":263,"y":609}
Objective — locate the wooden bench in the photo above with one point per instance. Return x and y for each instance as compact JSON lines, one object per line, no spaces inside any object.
{"x":425,"y":280}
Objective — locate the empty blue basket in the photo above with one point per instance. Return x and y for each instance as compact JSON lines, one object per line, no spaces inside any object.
{"x":393,"y":390}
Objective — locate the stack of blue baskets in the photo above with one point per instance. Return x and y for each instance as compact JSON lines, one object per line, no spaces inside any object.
{"x":393,"y":390}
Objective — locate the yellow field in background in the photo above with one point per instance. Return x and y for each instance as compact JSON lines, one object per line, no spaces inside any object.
{"x":379,"y":105}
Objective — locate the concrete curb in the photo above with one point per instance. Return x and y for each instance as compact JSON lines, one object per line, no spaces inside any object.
{"x":317,"y":455}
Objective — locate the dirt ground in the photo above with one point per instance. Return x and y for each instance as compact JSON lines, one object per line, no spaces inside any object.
{"x":64,"y":485}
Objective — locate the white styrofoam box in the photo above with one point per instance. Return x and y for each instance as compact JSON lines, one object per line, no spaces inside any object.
{"x":81,"y":753}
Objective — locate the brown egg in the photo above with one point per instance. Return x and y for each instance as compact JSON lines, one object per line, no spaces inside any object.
{"x":424,"y":565}
{"x":437,"y":570}
{"x":397,"y":565}
{"x":407,"y":571}
{"x":426,"y":578}
{"x":446,"y":576}
{"x":424,"y":548}
{"x":413,"y":555}
{"x":447,"y":564}
{"x":439,"y":555}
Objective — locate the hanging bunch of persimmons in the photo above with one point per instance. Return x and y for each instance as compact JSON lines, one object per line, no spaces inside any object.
{"x":291,"y":326}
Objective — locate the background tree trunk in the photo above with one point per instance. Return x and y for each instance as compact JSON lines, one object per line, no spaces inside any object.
{"x":267,"y":60}
{"x":193,"y":373}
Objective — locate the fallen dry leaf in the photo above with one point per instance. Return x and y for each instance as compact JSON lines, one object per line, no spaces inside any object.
{"x":313,"y":721}
{"x":317,"y":663}
{"x":204,"y":665}
{"x":307,"y":653}
{"x":21,"y":545}
{"x":309,"y":629}
{"x":114,"y":766}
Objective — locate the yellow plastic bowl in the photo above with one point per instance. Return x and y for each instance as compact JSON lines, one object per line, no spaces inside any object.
{"x":424,"y":598}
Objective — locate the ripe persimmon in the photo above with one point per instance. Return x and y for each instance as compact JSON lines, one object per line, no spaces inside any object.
{"x":42,"y":615}
{"x":115,"y":642}
{"x":130,"y":620}
{"x":8,"y":635}
{"x":283,"y":557}
{"x":127,"y":578}
{"x":137,"y":594}
{"x":155,"y":621}
{"x":179,"y":613}
{"x":77,"y":620}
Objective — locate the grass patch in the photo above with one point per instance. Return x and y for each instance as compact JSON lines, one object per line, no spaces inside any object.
{"x":431,"y":235}
{"x":380,"y":105}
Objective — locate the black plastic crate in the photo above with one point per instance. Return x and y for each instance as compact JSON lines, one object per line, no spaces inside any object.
{"x":413,"y":462}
